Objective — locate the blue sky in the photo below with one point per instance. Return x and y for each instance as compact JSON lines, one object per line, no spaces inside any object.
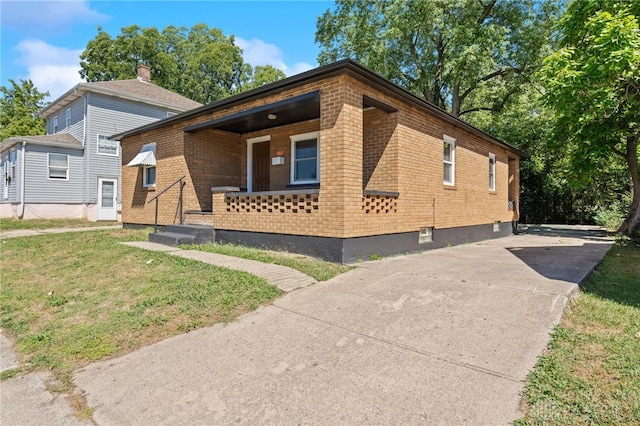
{"x":41,"y":40}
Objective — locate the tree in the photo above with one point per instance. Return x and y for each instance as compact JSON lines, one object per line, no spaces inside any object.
{"x":593,"y":85}
{"x":19,"y":108}
{"x":461,"y":55}
{"x":200,"y":63}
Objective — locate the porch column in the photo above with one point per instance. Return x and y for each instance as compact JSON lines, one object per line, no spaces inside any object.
{"x":341,"y":140}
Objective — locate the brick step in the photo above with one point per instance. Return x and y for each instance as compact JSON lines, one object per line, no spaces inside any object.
{"x":196,"y":217}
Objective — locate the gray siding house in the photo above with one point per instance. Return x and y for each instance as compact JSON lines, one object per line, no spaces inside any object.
{"x":74,"y":170}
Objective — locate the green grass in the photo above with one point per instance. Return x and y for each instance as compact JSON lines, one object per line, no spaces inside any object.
{"x":318,"y":269}
{"x":15,"y":224}
{"x":590,"y":373}
{"x":74,"y":298}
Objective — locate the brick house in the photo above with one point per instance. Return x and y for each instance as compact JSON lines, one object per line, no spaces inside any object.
{"x":336,"y":162}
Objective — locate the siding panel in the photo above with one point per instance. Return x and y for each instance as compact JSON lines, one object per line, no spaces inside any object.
{"x":40,"y":189}
{"x":108,"y":117}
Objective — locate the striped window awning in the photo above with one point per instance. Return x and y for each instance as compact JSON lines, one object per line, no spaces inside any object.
{"x":146,"y":156}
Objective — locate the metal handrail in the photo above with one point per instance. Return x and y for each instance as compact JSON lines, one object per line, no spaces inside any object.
{"x":182,"y":184}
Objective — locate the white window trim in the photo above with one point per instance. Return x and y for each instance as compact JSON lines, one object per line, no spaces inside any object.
{"x":104,"y":153}
{"x":492,"y":172}
{"x":452,"y":141}
{"x":55,"y":124}
{"x":301,"y":137}
{"x":250,"y":142}
{"x":67,"y":117}
{"x":59,"y":168}
{"x":144,"y":177}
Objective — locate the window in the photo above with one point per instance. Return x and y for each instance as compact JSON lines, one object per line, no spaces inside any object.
{"x":449,"y":160}
{"x":58,"y":166}
{"x":305,"y":167}
{"x":492,"y":172}
{"x":55,"y":124}
{"x":149,"y":176}
{"x":146,"y":160}
{"x":68,"y":117}
{"x":13,"y":155}
{"x":107,"y":146}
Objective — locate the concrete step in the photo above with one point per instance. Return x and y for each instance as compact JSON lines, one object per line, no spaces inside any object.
{"x":174,"y":235}
{"x":202,"y":234}
{"x":171,"y":238}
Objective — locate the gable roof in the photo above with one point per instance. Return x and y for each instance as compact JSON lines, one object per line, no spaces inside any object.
{"x":60,"y":140}
{"x":134,"y":90}
{"x":345,"y":66}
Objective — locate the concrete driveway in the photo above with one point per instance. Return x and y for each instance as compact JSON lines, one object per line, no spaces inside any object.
{"x":442,"y":337}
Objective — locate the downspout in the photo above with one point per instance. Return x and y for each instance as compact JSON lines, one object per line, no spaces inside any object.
{"x":87,"y":154}
{"x":22,"y":177}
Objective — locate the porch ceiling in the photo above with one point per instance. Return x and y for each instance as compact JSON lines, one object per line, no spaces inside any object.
{"x":293,"y":110}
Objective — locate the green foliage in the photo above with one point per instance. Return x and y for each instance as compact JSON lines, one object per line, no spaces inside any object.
{"x":200,"y":63}
{"x":611,"y":217}
{"x":463,"y":55}
{"x":593,"y":86}
{"x":315,"y":268}
{"x":19,"y":108}
{"x":589,"y":373}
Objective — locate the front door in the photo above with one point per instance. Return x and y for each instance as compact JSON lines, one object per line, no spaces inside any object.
{"x":107,"y":191}
{"x":261,"y":168}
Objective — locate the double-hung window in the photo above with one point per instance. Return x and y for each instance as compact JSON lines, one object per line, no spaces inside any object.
{"x":107,"y":146}
{"x":68,"y":117}
{"x":492,"y":172}
{"x":305,"y":164}
{"x":58,"y":166}
{"x":449,"y":158}
{"x":55,"y":124}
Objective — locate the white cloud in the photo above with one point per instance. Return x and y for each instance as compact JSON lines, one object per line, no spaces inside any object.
{"x":51,"y":68}
{"x":258,"y":52}
{"x":41,"y":16}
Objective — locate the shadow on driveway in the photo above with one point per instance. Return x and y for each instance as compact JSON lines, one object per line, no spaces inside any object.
{"x":561,"y":260}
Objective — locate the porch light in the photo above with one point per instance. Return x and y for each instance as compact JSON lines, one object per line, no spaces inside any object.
{"x":272,"y":116}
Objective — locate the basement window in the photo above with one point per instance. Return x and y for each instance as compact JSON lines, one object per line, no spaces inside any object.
{"x":425,"y":235}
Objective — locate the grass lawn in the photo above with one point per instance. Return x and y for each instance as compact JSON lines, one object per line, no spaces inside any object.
{"x":590,"y":373}
{"x":74,"y":298}
{"x":318,"y":269}
{"x":14,"y":224}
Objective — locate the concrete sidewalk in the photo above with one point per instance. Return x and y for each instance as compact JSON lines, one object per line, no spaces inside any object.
{"x":442,"y":337}
{"x":29,"y":232}
{"x":286,"y":279}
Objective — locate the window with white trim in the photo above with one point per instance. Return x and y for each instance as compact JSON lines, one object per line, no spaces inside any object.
{"x":55,"y":124}
{"x":13,"y":158}
{"x":68,"y":117}
{"x":149,"y":176}
{"x":305,"y":164}
{"x":58,"y":166}
{"x":492,"y":172}
{"x":449,"y":159}
{"x":107,"y":146}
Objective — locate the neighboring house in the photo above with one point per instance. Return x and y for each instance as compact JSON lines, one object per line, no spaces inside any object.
{"x":336,"y":162}
{"x":74,"y":170}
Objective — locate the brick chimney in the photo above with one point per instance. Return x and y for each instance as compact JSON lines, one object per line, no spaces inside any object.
{"x":144,"y":73}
